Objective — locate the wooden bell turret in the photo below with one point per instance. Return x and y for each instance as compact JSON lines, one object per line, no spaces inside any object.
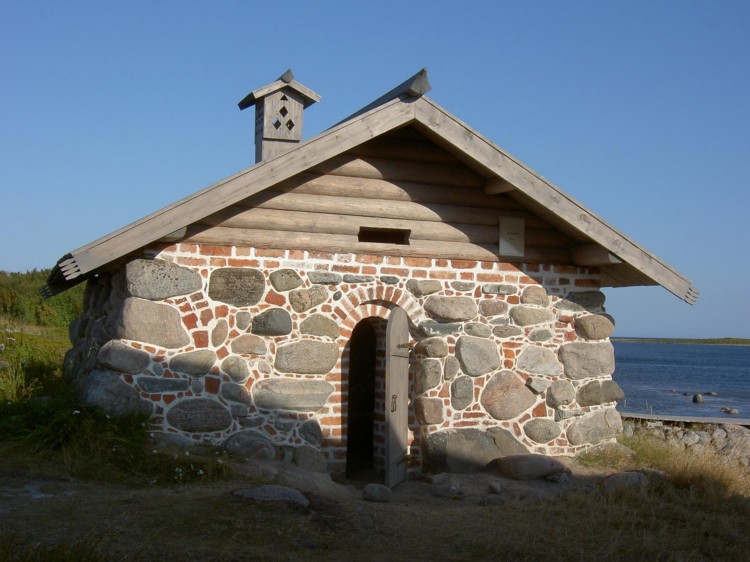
{"x":278,"y":115}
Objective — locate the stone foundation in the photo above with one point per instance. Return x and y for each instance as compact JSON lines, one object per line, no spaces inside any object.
{"x":247,"y":347}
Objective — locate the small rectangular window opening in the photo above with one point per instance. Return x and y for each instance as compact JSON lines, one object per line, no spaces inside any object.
{"x":384,"y":235}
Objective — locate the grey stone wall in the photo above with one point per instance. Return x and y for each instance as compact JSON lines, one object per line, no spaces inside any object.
{"x":244,"y":347}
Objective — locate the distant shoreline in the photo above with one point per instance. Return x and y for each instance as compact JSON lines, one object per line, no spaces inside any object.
{"x":700,"y":341}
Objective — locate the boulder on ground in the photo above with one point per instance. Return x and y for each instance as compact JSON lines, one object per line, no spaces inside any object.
{"x":528,"y":466}
{"x":274,"y":493}
{"x":624,"y":480}
{"x":376,"y":493}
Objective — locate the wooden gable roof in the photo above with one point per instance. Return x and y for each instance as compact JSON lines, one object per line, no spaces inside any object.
{"x":622,"y":261}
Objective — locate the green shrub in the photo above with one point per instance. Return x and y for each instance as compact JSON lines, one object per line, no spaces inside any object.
{"x":21,"y":301}
{"x":33,"y":365}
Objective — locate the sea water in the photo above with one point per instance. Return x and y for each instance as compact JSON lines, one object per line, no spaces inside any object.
{"x":661,"y":378}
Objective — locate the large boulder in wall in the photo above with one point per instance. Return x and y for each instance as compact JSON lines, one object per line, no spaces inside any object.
{"x":159,"y":279}
{"x":450,"y":309}
{"x":582,"y":301}
{"x":477,"y":356}
{"x":108,"y":392}
{"x":250,"y":444}
{"x":582,"y":360}
{"x":237,"y":286}
{"x":505,"y":396}
{"x":469,"y":450}
{"x":300,"y":395}
{"x":599,"y":392}
{"x":199,"y":415}
{"x":595,"y":326}
{"x":604,"y":424}
{"x":122,"y":358}
{"x":194,"y":363}
{"x":307,"y":357}
{"x":539,"y":361}
{"x":150,"y":322}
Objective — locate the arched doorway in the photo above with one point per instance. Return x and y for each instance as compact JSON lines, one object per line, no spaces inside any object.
{"x":377,"y":399}
{"x":361,"y":411}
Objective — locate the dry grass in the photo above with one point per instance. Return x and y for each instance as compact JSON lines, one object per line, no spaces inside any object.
{"x":702,"y":472}
{"x":12,"y":549}
{"x":698,"y":471}
{"x":699,"y":515}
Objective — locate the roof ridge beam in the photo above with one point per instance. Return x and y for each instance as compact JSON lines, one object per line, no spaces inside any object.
{"x":414,"y":87}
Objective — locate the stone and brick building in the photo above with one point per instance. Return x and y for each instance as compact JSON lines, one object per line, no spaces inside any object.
{"x":396,"y":294}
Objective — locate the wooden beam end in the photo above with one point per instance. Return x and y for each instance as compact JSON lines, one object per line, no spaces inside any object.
{"x":593,"y":255}
{"x":496,"y":186}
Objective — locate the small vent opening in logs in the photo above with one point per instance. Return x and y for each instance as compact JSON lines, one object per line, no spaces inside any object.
{"x":384,"y":235}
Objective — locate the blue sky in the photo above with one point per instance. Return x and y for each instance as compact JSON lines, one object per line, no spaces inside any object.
{"x":638,"y":109}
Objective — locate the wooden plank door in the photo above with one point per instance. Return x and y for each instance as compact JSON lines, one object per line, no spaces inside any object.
{"x":396,"y":396}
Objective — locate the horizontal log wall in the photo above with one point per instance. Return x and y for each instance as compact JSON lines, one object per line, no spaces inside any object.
{"x":425,"y":190}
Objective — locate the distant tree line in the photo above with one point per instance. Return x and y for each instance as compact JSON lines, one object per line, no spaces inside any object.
{"x":20,"y":300}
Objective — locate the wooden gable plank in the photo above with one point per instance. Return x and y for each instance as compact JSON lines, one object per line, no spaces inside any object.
{"x":304,"y":219}
{"x":415,"y":171}
{"x":348,"y":186}
{"x":440,"y":123}
{"x":405,"y":144}
{"x":342,"y":243}
{"x":441,"y":203}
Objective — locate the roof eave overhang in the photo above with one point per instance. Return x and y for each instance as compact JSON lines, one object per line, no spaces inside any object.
{"x":439,"y":123}
{"x":391,"y":114}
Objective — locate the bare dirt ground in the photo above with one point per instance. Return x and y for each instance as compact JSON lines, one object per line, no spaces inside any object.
{"x":450,"y":519}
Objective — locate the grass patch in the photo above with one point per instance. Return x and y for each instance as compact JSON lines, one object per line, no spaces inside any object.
{"x":32,"y":363}
{"x":85,"y":443}
{"x":41,"y":417}
{"x":696,"y":471}
{"x":78,"y":551}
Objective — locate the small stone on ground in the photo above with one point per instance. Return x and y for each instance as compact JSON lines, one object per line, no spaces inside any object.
{"x":376,"y":493}
{"x":274,"y":493}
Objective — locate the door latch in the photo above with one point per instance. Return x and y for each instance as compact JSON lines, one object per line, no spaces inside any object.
{"x":393,"y":402}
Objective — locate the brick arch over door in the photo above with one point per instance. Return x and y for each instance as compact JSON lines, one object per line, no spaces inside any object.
{"x":362,"y":302}
{"x":356,"y":306}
